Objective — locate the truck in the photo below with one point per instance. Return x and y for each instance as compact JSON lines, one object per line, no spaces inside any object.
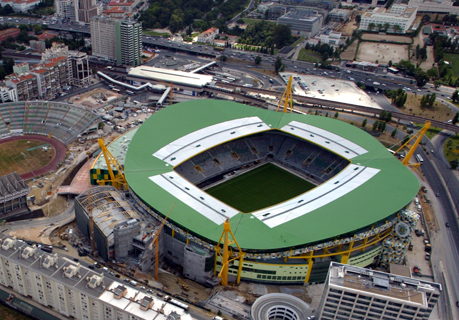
{"x":376,"y":83}
{"x":428,"y":247}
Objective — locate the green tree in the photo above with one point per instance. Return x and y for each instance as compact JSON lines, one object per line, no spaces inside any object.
{"x":371,"y":26}
{"x":258,"y":60}
{"x":437,"y":84}
{"x":394,"y":133}
{"x":421,"y":78}
{"x":282,"y":35}
{"x":455,"y":118}
{"x":223,"y":58}
{"x":455,"y":96}
{"x":432,"y":73}
{"x":454,"y":164}
{"x":397,"y":28}
{"x":364,"y":123}
{"x":375,"y":125}
{"x":405,"y":140}
{"x":386,"y":26}
{"x":8,"y":64}
{"x":37,"y":29}
{"x":358,"y":18}
{"x":278,"y":64}
{"x":336,"y":115}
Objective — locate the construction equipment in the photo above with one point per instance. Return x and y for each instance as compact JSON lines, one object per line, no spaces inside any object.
{"x":184,"y":285}
{"x":118,"y":181}
{"x":155,"y":242}
{"x":227,"y":254}
{"x":287,"y":97}
{"x":412,"y":148}
{"x":171,"y":93}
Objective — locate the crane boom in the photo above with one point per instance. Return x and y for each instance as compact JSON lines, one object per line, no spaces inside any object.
{"x":118,"y":181}
{"x":155,"y":242}
{"x":287,"y":97}
{"x":412,"y":148}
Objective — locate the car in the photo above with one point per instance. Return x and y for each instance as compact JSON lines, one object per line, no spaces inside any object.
{"x":427,"y":256}
{"x":150,"y":290}
{"x":437,"y":194}
{"x":91,"y":267}
{"x":75,"y":259}
{"x":447,"y":224}
{"x":117,"y":275}
{"x":457,"y":304}
{"x":126,"y":280}
{"x":143,"y":288}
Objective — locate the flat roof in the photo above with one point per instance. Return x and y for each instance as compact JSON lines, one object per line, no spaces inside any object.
{"x":387,"y":188}
{"x":117,"y":148}
{"x":167,"y":75}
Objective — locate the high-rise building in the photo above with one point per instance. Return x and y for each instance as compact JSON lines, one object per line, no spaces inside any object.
{"x":117,"y":40}
{"x":65,"y":9}
{"x":129,"y":43}
{"x":85,"y":10}
{"x":357,"y":293}
{"x":103,"y":37}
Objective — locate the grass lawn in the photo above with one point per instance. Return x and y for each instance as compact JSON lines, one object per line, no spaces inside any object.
{"x":453,"y":60}
{"x":308,"y":55}
{"x":431,"y":132}
{"x":439,"y":111}
{"x":260,"y":188}
{"x":448,"y":148}
{"x":253,"y":21}
{"x":297,"y":42}
{"x":155,"y":34}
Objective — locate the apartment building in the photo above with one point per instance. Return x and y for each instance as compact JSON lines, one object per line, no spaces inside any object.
{"x":25,"y":85}
{"x":65,"y":9}
{"x":129,"y":44}
{"x":51,"y":75}
{"x":103,"y":37}
{"x":117,"y":40}
{"x":208,"y":36}
{"x":358,"y":293}
{"x":303,"y":22}
{"x":74,"y":290}
{"x":398,"y":18}
{"x":8,"y":94}
{"x":85,"y":10}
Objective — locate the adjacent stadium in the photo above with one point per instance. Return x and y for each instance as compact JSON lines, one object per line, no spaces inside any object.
{"x":299,"y":190}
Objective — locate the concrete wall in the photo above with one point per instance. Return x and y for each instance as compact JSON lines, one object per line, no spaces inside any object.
{"x":124,"y":234}
{"x":173,"y":249}
{"x":195,"y":264}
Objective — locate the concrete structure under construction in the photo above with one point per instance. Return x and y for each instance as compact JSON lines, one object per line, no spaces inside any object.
{"x":357,"y":293}
{"x":75,"y":291}
{"x":13,"y":193}
{"x":113,"y":218}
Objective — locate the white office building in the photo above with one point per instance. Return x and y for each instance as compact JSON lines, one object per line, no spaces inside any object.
{"x":76,"y":291}
{"x":303,"y":22}
{"x":8,"y":94}
{"x":357,"y":293}
{"x":398,"y":15}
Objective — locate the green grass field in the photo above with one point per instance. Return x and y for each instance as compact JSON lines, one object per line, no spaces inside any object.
{"x":453,"y":60}
{"x":308,"y":55}
{"x":260,"y":188}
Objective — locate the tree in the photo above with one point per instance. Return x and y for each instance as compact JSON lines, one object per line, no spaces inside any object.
{"x":223,"y":58}
{"x":432,"y":73}
{"x":258,"y":60}
{"x":358,"y":18}
{"x":336,"y":115}
{"x":282,"y":35}
{"x":364,"y":123}
{"x":405,"y":140}
{"x":375,"y":125}
{"x":37,"y":29}
{"x":371,"y":26}
{"x":455,"y":96}
{"x":421,"y":78}
{"x":437,"y":84}
{"x":189,"y":31}
{"x":397,"y":28}
{"x":394,"y":133}
{"x":454,"y":164}
{"x":455,"y":118}
{"x":8,"y":64}
{"x":278,"y":64}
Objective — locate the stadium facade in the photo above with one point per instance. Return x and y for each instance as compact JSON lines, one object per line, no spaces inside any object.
{"x":356,"y":213}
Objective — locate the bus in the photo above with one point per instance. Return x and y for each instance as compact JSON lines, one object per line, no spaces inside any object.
{"x":219,"y":48}
{"x":419,"y":158}
{"x":129,"y":92}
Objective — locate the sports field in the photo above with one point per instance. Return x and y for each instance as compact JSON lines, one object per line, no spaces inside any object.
{"x":260,"y":188}
{"x":24,"y":156}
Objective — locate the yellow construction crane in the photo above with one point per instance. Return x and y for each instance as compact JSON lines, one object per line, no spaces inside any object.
{"x":118,"y":181}
{"x":184,"y":285}
{"x":287,"y":97}
{"x":227,"y":254}
{"x":412,"y":149}
{"x":155,"y":242}
{"x":171,"y":93}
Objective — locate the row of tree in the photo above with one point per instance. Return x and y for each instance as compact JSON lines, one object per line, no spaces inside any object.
{"x":266,"y":34}
{"x":398,"y":97}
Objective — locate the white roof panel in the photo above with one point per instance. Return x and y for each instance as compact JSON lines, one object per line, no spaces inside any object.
{"x":198,"y":141}
{"x":339,"y":145}
{"x":347,"y":180}
{"x":166,"y":75}
{"x":194,"y":197}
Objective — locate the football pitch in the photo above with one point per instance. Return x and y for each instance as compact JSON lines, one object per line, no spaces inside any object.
{"x":260,"y":188}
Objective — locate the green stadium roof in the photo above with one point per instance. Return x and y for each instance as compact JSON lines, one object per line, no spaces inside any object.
{"x":389,"y":190}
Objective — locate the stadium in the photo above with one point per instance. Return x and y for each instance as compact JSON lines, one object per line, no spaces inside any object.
{"x":299,"y":191}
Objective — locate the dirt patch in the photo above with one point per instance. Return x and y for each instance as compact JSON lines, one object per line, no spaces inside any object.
{"x":349,"y":53}
{"x":33,"y":234}
{"x":94,"y":98}
{"x":439,"y":111}
{"x":428,"y":63}
{"x":268,"y":72}
{"x":385,"y":37}
{"x":382,"y":52}
{"x":348,"y":28}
